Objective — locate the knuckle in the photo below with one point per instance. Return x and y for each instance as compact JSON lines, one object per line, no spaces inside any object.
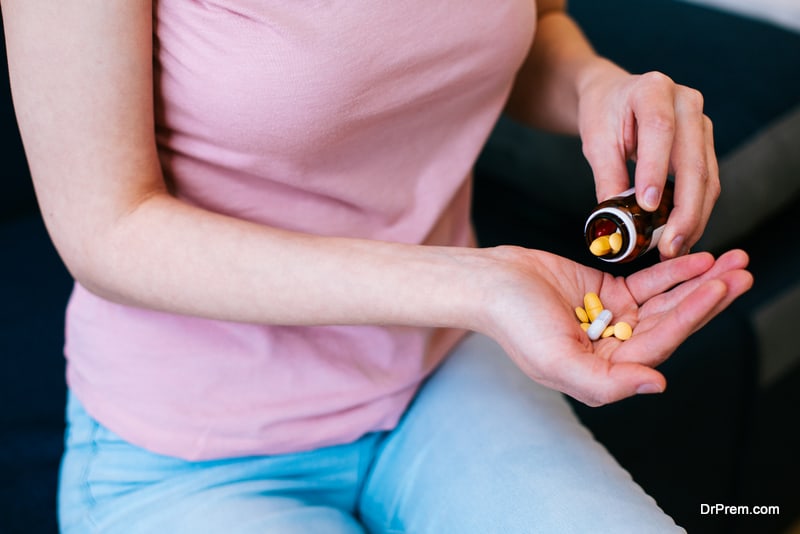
{"x":662,"y":122}
{"x":600,"y":398}
{"x":591,"y":403}
{"x":714,"y":189}
{"x":510,"y":254}
{"x":714,"y":171}
{"x":657,"y":79}
{"x":692,"y":99}
{"x":592,"y":148}
{"x":708,"y":124}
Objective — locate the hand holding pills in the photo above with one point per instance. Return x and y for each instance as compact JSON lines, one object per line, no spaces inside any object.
{"x":632,"y":324}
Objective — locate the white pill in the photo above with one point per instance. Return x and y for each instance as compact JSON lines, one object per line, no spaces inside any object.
{"x":595,"y":329}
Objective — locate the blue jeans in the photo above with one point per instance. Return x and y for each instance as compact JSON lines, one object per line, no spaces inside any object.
{"x":482,"y":449}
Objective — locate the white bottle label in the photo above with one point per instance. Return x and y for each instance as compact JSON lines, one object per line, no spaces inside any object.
{"x":654,"y":239}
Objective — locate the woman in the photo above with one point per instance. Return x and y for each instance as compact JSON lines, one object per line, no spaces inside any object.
{"x":264,"y":206}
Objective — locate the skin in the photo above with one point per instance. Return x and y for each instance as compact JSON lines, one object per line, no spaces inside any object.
{"x":646,"y":118}
{"x":82,"y":81}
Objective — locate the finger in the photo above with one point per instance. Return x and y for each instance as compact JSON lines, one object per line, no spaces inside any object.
{"x":737,"y":282}
{"x":714,"y":185}
{"x":596,"y":381}
{"x":690,"y":163}
{"x":657,"y":336}
{"x":654,"y":109}
{"x":709,"y":200}
{"x":647,"y":283}
{"x":731,"y":261}
{"x":608,"y":163}
{"x":731,"y":271}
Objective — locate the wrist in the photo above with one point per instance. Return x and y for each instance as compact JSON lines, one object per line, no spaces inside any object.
{"x":593,"y":71}
{"x":504,"y":279}
{"x":462,"y":289}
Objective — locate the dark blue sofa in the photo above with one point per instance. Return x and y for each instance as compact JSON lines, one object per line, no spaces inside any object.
{"x":721,"y":434}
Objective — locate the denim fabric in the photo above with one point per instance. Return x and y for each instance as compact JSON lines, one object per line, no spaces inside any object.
{"x":482,"y":449}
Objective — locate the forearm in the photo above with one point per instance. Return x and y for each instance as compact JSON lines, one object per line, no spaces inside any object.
{"x":171,"y":256}
{"x":560,"y":62}
{"x":84,"y":102}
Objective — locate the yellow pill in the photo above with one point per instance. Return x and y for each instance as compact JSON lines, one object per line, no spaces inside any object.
{"x":600,"y":246}
{"x":622,"y":331}
{"x":592,"y":305}
{"x":585,"y":326}
{"x":608,"y":332}
{"x":582,"y":316}
{"x":615,"y":242}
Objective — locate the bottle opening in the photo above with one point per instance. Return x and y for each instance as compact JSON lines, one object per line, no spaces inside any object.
{"x":608,"y":237}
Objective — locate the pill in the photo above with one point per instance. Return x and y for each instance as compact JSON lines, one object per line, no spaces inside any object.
{"x":604,"y":227}
{"x":622,"y":331}
{"x":592,"y":305}
{"x":582,"y":316}
{"x":600,"y":246}
{"x":597,"y":327}
{"x":608,"y":332}
{"x":585,"y":326}
{"x":615,"y":242}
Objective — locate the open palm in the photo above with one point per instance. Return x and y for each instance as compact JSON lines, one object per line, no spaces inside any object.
{"x":664,"y":304}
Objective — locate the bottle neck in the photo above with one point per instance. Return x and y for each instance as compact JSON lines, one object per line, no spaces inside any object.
{"x":624,"y":222}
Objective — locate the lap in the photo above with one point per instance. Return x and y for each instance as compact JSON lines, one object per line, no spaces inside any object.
{"x":481,"y":449}
{"x":485,"y":449}
{"x":109,"y":485}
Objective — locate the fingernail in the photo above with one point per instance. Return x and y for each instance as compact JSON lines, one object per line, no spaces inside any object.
{"x":651,"y":197}
{"x":677,"y":245}
{"x":648,"y":389}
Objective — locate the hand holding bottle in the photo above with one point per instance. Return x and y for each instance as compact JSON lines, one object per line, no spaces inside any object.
{"x":661,"y":126}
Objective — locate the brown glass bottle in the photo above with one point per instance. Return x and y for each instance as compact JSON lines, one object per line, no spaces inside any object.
{"x":640,"y":230}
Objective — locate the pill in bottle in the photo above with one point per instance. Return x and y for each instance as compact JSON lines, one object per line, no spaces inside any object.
{"x":619,"y":230}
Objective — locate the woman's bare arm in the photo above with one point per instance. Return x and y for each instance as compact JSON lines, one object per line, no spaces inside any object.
{"x":81,"y":73}
{"x":565,"y":86}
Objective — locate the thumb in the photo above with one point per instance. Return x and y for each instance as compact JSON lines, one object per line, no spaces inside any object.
{"x":604,"y":382}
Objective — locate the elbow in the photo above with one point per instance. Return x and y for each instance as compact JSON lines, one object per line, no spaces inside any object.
{"x":101,"y":252}
{"x":88,"y":260}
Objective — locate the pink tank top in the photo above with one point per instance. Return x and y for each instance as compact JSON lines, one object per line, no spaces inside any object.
{"x":345,"y":117}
